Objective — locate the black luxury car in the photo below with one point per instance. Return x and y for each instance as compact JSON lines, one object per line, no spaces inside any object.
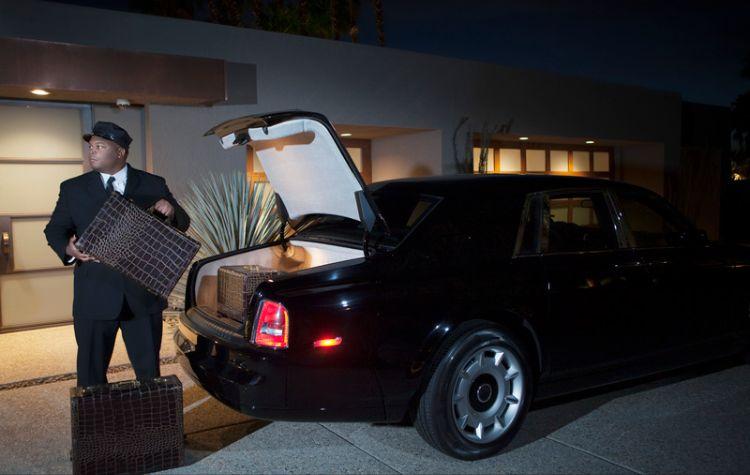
{"x":454,"y":301}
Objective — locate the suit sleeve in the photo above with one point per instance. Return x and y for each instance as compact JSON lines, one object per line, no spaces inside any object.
{"x":60,"y":227}
{"x":181,"y":218}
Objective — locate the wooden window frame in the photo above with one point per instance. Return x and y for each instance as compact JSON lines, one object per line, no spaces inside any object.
{"x":496,"y":145}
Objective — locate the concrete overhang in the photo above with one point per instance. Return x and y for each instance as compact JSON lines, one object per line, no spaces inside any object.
{"x":90,"y":74}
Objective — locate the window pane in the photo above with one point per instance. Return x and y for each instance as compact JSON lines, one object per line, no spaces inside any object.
{"x":29,"y":298}
{"x":30,"y":249}
{"x":535,"y":161}
{"x":581,"y":161}
{"x":583,"y":216}
{"x":531,"y":226}
{"x":490,"y":159}
{"x":601,"y":161}
{"x":510,"y":160}
{"x":20,"y":135}
{"x":575,"y":224}
{"x":16,"y":178}
{"x":650,"y":223}
{"x":558,"y":160}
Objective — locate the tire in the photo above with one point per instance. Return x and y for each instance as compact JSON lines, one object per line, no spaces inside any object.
{"x":478,"y":395}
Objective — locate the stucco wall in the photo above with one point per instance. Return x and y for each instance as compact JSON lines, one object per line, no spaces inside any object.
{"x":353,"y":84}
{"x":181,"y":153}
{"x":643,"y":165}
{"x":407,"y":155}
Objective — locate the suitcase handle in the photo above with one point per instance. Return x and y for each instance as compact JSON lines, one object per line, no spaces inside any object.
{"x":131,"y":384}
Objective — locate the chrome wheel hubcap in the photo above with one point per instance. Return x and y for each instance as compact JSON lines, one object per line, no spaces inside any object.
{"x":487,"y":393}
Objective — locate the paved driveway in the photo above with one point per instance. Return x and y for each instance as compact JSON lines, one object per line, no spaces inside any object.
{"x":693,"y":421}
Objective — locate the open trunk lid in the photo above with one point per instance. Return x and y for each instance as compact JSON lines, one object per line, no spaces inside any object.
{"x":304,"y":161}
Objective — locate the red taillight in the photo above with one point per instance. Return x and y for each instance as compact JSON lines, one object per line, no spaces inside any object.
{"x":272,"y":327}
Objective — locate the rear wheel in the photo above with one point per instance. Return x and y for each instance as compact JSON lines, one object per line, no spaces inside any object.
{"x":478,"y":395}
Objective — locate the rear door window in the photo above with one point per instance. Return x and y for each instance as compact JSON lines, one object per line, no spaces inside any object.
{"x":577,"y":221}
{"x":403,"y":211}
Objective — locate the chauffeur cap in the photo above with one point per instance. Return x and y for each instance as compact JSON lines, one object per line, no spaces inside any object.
{"x":110,"y":131}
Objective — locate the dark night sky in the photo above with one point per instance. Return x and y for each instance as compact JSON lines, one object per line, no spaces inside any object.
{"x":695,"y":48}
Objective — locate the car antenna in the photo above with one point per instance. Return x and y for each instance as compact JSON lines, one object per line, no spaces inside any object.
{"x":284,"y":215}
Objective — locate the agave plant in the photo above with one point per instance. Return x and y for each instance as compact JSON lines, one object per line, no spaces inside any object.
{"x":227,"y":212}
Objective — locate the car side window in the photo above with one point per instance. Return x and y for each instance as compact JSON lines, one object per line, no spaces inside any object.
{"x":528,"y":238}
{"x":578,"y":222}
{"x":650,"y":222}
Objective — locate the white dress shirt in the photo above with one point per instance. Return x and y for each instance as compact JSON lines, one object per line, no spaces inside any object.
{"x":121,"y":179}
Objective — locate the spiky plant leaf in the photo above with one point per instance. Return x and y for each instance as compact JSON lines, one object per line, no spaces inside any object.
{"x":227,"y":212}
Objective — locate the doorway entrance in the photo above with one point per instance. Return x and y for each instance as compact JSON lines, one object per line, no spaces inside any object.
{"x":40,"y":146}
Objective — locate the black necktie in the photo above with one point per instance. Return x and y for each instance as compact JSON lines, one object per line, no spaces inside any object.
{"x":110,"y":185}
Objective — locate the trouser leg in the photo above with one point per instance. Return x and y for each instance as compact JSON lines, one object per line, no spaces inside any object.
{"x":142,"y":335}
{"x":96,"y":340}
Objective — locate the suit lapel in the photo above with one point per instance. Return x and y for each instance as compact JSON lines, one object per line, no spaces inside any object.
{"x":133,"y":181}
{"x":95,"y":186}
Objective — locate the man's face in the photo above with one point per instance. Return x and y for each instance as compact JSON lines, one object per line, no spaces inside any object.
{"x":105,"y":156}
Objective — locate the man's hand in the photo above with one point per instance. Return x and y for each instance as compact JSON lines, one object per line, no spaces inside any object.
{"x":71,"y":250}
{"x":164,"y":207}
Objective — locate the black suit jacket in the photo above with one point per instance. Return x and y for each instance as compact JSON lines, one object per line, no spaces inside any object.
{"x":98,"y":291}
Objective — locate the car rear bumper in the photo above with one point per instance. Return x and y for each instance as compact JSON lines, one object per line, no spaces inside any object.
{"x":254,"y":382}
{"x":250,"y":384}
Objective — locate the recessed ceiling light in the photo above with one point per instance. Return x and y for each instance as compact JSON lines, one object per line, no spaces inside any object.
{"x":346,"y":135}
{"x":40,"y":92}
{"x":523,"y":138}
{"x":589,"y":142}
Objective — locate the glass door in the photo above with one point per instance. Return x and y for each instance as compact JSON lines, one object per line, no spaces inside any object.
{"x":40,"y":146}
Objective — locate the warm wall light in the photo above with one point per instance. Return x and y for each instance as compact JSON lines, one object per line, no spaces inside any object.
{"x":590,"y":142}
{"x":523,"y":138}
{"x":346,"y":135}
{"x":40,"y":92}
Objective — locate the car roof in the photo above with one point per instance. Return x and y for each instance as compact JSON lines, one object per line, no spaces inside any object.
{"x":461,"y":184}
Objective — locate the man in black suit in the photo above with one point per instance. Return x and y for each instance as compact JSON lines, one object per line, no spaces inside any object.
{"x":103,"y":299}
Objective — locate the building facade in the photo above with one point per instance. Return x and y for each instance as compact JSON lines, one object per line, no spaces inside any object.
{"x":398,"y":112}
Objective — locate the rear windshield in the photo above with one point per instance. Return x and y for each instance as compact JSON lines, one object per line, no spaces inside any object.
{"x":402,"y":211}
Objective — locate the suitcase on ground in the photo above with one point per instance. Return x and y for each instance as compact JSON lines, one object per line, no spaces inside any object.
{"x":137,"y":244}
{"x":127,"y":427}
{"x":236,"y":285}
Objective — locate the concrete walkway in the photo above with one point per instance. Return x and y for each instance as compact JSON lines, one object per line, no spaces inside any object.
{"x":688,"y":423}
{"x":31,"y":354}
{"x":693,"y":421}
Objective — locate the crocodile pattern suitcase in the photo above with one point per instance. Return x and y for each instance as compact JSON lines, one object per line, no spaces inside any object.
{"x":236,"y":285}
{"x":137,"y":244}
{"x":127,"y":427}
